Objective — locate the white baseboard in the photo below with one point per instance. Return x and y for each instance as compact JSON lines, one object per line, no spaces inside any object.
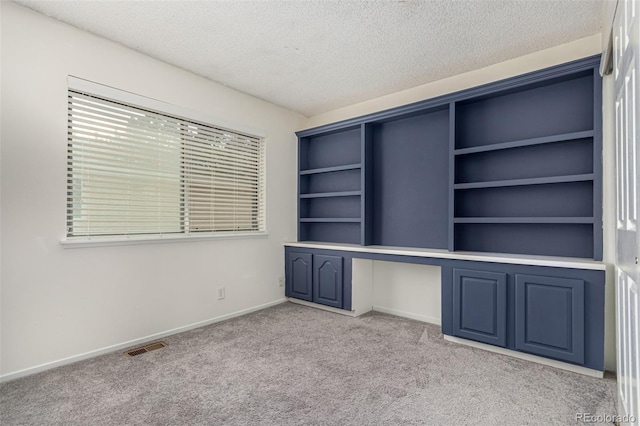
{"x":91,"y":354}
{"x":410,"y":315}
{"x":323,"y":307}
{"x":396,"y":312}
{"x":528,"y":357}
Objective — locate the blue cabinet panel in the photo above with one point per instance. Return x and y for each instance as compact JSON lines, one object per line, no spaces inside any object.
{"x":550,"y":317}
{"x":480,"y":306}
{"x":327,"y":280}
{"x":319,"y":276}
{"x":299,"y":275}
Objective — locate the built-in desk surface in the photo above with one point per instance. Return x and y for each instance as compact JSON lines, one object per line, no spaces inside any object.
{"x":550,"y":261}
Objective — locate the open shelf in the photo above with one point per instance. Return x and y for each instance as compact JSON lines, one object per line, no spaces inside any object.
{"x":549,"y":239}
{"x":335,"y":232}
{"x":331,"y":169}
{"x":331,"y":194}
{"x":523,"y":220}
{"x":558,"y":106}
{"x":525,"y":142}
{"x":511,"y":167}
{"x":567,"y":199}
{"x":330,"y":219}
{"x":522,"y":182}
{"x":562,"y":158}
{"x":326,"y":151}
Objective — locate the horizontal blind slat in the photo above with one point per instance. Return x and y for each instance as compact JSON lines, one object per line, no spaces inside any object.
{"x":136,"y":171}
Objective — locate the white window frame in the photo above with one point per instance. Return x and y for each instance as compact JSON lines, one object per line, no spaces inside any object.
{"x":86,"y":86}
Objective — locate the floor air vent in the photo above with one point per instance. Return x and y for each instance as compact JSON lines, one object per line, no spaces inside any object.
{"x":144,"y":349}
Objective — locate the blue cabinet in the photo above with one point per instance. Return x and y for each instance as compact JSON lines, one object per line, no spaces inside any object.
{"x":550,"y":317}
{"x":552,"y":312}
{"x":327,"y":280}
{"x":316,"y":278}
{"x":299,"y":275}
{"x":480,"y":306}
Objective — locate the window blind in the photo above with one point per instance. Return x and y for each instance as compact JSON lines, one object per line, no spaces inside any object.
{"x":135,"y":171}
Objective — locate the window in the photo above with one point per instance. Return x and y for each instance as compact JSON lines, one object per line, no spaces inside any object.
{"x":134,"y":168}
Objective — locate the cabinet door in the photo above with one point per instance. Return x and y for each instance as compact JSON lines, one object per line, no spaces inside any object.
{"x":327,"y":280}
{"x":299,"y":275}
{"x":480,"y":306}
{"x":550,"y":317}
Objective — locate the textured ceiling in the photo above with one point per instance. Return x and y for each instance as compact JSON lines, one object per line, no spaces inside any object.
{"x":316,"y":56}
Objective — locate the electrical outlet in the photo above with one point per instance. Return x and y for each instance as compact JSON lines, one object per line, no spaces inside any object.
{"x":220,"y":293}
{"x":281,"y":281}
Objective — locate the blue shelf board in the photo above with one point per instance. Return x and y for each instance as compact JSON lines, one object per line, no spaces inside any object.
{"x":330,"y":220}
{"x":331,"y":169}
{"x":525,"y":142}
{"x":332,"y":194}
{"x":565,"y":220}
{"x":517,"y":82}
{"x":522,"y":182}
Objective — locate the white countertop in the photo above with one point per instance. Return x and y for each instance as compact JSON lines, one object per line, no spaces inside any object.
{"x":551,"y":261}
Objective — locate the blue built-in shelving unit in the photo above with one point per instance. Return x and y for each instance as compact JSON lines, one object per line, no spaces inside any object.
{"x":509,"y":167}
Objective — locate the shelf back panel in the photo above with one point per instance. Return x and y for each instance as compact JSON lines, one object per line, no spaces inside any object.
{"x":410,"y":174}
{"x":554,"y":159}
{"x":348,"y":233}
{"x":573,"y":199}
{"x":347,"y":180}
{"x":563,"y":106}
{"x":330,"y":150}
{"x":330,"y":207}
{"x":566,"y":240}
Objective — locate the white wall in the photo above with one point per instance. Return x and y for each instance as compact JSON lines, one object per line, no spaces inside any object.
{"x":59,"y":303}
{"x":408,"y":290}
{"x":546,"y":58}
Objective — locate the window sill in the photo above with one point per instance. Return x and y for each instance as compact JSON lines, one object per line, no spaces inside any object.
{"x":80,"y":242}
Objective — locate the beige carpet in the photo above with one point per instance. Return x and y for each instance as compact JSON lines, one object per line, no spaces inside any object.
{"x":294,"y":365}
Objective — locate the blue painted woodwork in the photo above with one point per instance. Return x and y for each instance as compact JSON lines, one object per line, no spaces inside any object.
{"x":480,"y":306}
{"x":593,"y":290}
{"x":330,"y":150}
{"x":525,"y":142}
{"x":319,"y":276}
{"x":331,"y":194}
{"x":550,"y":239}
{"x":504,"y":86}
{"x":574,"y":157}
{"x":327,"y":280}
{"x":366,"y":206}
{"x":525,"y":182}
{"x":574,"y":199}
{"x":348,"y":233}
{"x":331,"y":220}
{"x":597,"y":161}
{"x":348,"y":206}
{"x":540,"y":133}
{"x":330,"y":187}
{"x":522,"y":175}
{"x":451,"y":177}
{"x":331,"y":169}
{"x":299,"y":275}
{"x":558,"y":106}
{"x":410,"y":170}
{"x":550,"y":317}
{"x":338,"y":181}
{"x":592,"y":304}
